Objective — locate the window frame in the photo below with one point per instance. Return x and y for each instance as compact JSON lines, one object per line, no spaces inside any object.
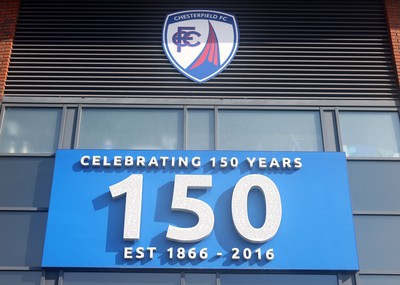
{"x":59,"y":136}
{"x":365,"y":109}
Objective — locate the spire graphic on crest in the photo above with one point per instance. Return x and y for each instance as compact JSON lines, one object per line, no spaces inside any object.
{"x":210,"y":51}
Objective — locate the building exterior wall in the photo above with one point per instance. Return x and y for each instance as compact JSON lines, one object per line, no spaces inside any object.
{"x":8,"y":23}
{"x":393,"y":18}
{"x":84,"y":70}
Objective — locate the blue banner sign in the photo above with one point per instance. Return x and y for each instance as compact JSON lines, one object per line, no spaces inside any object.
{"x":200,"y":209}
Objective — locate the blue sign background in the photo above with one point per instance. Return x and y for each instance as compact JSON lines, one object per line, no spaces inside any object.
{"x":85,"y":224}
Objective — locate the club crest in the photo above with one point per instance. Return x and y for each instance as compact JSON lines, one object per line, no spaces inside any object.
{"x":200,"y":43}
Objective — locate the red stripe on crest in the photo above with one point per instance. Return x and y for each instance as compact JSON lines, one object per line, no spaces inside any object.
{"x":210,"y":51}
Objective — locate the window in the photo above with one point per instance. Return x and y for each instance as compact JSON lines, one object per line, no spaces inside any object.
{"x":370,"y":134}
{"x":131,"y":129}
{"x":200,"y":279}
{"x":22,"y":243}
{"x":164,"y":129}
{"x":277,"y":279}
{"x":30,"y":130}
{"x":270,"y":130}
{"x":374,"y":185}
{"x":379,"y":279}
{"x":200,"y":129}
{"x":25,"y":181}
{"x":378,"y":243}
{"x":110,"y":278}
{"x":20,"y":277}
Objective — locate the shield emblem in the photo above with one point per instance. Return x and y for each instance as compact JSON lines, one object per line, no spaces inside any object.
{"x":200,"y":43}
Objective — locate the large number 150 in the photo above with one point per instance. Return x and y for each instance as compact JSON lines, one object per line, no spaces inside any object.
{"x":133,"y":185}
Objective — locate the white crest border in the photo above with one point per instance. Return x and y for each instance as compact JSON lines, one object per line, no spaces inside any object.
{"x":175,"y":63}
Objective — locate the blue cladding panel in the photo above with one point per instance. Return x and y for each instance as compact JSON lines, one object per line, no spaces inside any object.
{"x":85,"y":224}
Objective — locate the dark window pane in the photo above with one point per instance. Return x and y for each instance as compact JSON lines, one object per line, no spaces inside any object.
{"x":200,"y":279}
{"x":277,"y":279}
{"x":375,"y":185}
{"x":21,"y":239}
{"x":20,"y":278}
{"x":379,"y":280}
{"x":81,"y":278}
{"x":378,"y":242}
{"x":25,"y":181}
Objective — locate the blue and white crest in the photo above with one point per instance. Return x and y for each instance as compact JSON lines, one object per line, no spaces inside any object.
{"x":200,"y":43}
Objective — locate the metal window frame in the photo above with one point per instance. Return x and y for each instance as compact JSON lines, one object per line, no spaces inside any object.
{"x":327,"y":145}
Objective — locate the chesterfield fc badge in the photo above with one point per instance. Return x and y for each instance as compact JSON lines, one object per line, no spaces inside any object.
{"x":200,"y":43}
